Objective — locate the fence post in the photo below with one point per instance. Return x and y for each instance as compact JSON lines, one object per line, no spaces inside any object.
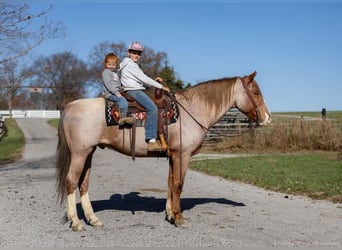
{"x":324,"y":114}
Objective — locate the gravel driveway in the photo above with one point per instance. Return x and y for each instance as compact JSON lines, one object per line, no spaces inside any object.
{"x":129,"y":197}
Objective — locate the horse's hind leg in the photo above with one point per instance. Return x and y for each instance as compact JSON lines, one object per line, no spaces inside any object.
{"x":92,"y":219}
{"x":72,"y":181}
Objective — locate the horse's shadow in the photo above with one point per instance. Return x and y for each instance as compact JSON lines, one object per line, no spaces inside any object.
{"x":134,"y":202}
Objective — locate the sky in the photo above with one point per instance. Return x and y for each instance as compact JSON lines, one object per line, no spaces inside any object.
{"x":294,"y":46}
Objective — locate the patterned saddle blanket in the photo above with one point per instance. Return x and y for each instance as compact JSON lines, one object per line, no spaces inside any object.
{"x":168,"y":114}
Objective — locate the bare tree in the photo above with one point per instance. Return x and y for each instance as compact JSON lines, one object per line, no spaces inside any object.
{"x":11,"y":79}
{"x":63,"y":77}
{"x":152,"y":63}
{"x":21,"y":31}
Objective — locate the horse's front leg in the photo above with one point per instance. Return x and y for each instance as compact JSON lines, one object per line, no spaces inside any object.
{"x":176,"y":180}
{"x":168,"y":209}
{"x":92,"y":219}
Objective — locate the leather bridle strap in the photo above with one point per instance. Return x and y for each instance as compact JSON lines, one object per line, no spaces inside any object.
{"x":249,"y":94}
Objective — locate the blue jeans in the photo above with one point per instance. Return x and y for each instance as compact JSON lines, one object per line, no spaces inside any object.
{"x":122,"y":102}
{"x":151,"y":112}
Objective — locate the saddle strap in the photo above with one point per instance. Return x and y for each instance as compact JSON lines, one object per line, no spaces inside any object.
{"x":133,"y":141}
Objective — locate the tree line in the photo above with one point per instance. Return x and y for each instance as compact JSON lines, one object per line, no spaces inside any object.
{"x":50,"y":82}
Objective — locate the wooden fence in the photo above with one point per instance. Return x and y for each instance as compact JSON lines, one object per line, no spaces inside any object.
{"x":233,"y":123}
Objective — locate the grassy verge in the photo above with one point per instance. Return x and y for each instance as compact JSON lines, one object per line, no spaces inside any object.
{"x":11,"y":146}
{"x":53,"y":123}
{"x":318,"y":176}
{"x":287,"y":135}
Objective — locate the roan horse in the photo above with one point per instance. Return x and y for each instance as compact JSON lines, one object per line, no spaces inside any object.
{"x":83,"y":127}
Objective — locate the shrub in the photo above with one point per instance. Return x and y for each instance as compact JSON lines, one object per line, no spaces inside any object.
{"x":292,"y":135}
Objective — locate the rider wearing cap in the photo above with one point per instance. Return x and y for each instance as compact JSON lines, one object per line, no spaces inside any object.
{"x":133,"y":81}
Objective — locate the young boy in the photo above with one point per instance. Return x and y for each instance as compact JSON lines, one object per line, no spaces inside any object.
{"x":133,"y":80}
{"x":112,"y":87}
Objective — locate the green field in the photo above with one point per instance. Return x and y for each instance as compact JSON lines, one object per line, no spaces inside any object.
{"x":317,"y":175}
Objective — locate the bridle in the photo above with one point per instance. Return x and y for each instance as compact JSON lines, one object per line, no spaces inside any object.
{"x":205,"y":129}
{"x":250,"y":96}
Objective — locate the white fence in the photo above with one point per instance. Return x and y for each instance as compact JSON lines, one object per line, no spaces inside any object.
{"x":31,"y":113}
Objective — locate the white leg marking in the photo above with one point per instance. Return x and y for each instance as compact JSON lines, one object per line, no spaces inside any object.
{"x":76,"y":224}
{"x":89,"y":212}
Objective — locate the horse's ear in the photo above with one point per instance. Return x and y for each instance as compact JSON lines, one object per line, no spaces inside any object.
{"x":250,"y":77}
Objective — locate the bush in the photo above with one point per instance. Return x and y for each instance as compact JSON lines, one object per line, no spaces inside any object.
{"x":293,"y":135}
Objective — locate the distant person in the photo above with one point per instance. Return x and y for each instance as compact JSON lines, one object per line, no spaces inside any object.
{"x":133,"y":81}
{"x":112,"y":88}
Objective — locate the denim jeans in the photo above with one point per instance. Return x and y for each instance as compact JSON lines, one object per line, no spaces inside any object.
{"x":122,"y":102}
{"x":151,"y":112}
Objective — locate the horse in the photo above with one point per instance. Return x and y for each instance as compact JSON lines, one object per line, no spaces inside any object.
{"x":82,"y":128}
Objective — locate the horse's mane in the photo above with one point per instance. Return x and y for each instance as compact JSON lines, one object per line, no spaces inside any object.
{"x":213,"y":92}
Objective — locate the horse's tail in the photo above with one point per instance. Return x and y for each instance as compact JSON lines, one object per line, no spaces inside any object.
{"x":62,"y":162}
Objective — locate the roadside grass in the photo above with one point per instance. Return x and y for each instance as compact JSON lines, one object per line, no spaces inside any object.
{"x":53,"y":123}
{"x":317,"y":175}
{"x":12,"y":144}
{"x":287,"y":134}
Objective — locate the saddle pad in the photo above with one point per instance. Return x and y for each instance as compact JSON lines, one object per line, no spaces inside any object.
{"x":171,"y":114}
{"x":112,"y":113}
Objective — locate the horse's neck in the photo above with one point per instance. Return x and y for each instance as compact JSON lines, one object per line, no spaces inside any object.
{"x":208,"y":106}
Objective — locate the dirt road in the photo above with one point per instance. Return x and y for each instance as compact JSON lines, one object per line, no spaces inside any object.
{"x":129,"y":197}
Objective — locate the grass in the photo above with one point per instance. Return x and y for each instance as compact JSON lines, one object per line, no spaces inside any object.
{"x":317,"y":175}
{"x":329,"y":114}
{"x":53,"y":123}
{"x":287,"y":135}
{"x":11,"y":146}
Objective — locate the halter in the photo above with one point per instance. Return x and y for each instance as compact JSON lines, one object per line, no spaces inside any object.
{"x":250,"y":96}
{"x":205,"y":129}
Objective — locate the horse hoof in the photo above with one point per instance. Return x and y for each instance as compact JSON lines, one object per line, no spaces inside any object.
{"x":77,"y":227}
{"x":180,"y":223}
{"x":170,"y":218}
{"x":96,"y":223}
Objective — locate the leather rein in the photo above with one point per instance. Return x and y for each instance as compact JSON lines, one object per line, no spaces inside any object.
{"x":249,"y":94}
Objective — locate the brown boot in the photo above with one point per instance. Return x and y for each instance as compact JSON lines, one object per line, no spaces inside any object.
{"x":126,"y":120}
{"x":154,"y":146}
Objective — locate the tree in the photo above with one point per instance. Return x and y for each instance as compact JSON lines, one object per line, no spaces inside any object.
{"x":11,"y":79}
{"x":21,"y":31}
{"x":152,"y":63}
{"x":62,"y":76}
{"x":98,"y":53}
{"x":168,"y":74}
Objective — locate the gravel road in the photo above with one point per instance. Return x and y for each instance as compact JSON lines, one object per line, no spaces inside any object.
{"x":129,"y":197}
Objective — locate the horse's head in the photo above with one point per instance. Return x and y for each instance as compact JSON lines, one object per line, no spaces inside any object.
{"x":250,"y":101}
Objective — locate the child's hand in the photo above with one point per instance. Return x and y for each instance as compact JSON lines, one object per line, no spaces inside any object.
{"x":167,"y":89}
{"x":159,"y":79}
